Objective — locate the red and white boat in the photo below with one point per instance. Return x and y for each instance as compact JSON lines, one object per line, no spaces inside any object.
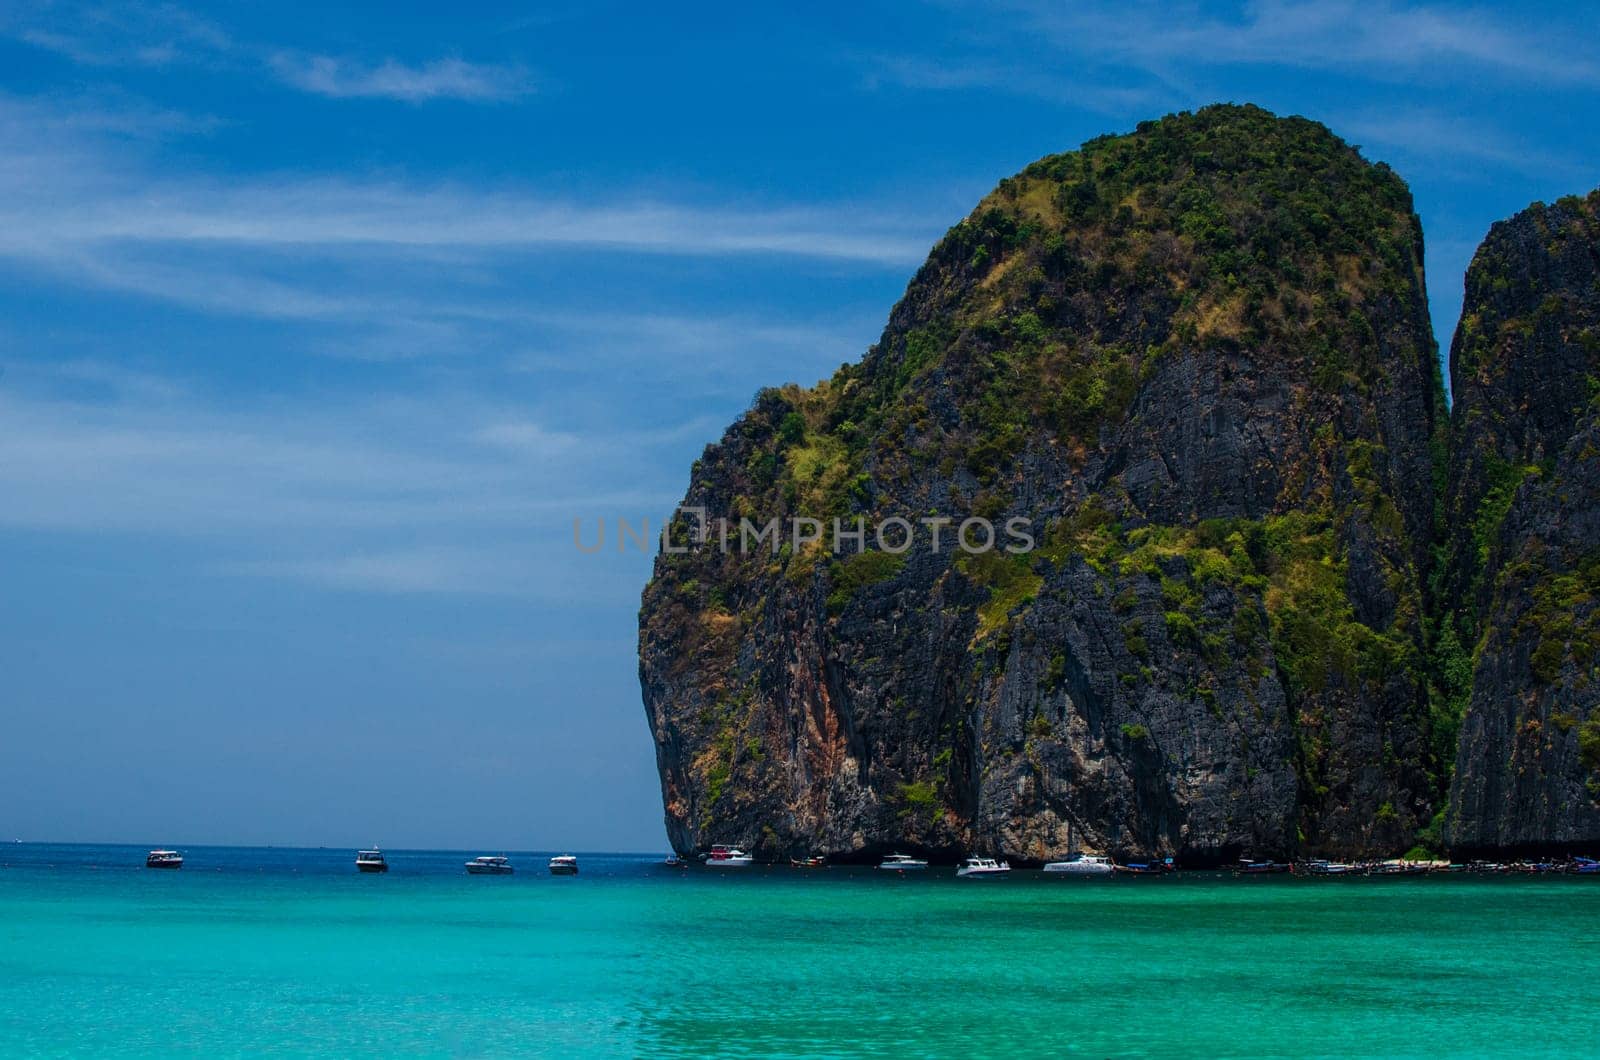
{"x":724,"y":857}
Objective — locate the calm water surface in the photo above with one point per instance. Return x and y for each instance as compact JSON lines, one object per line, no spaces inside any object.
{"x":291,"y":951}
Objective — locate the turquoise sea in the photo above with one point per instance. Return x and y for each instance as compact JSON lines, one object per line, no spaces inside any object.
{"x":250,"y":951}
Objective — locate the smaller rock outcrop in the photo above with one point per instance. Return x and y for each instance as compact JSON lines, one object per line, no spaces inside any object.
{"x":1520,"y":639}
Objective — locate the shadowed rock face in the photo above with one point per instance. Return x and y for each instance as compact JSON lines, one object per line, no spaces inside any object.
{"x":1524,"y":563}
{"x":1197,"y":359}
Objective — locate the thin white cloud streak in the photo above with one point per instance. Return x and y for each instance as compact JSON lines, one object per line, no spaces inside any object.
{"x":1379,"y":39}
{"x":71,"y":205}
{"x":540,"y":571}
{"x":1085,"y":90}
{"x":327,"y":214}
{"x":436,"y":569}
{"x":342,"y":78}
{"x":166,"y":35}
{"x":113,"y":34}
{"x":1455,"y":146}
{"x":182,"y":467}
{"x":80,"y":206}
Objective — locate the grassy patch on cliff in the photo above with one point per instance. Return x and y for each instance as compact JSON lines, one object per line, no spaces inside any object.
{"x":1315,"y":633}
{"x":1011,"y":581}
{"x":1563,"y":618}
{"x":918,"y":800}
{"x":854,"y":573}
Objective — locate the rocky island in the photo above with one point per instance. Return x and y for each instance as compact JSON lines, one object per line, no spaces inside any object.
{"x":1278,"y":597}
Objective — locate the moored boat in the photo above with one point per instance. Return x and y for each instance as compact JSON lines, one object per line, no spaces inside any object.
{"x":564,"y":865}
{"x":1081,"y":865}
{"x":982,"y":868}
{"x":902,"y":863}
{"x":1258,"y":867}
{"x":1145,"y":868}
{"x":371,"y":861}
{"x":1322,"y":867}
{"x":725,"y":857}
{"x":814,"y":861}
{"x":488,"y":865}
{"x":163,"y":859}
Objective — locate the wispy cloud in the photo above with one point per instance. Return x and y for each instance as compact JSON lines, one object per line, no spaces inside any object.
{"x":1380,"y":39}
{"x":167,"y":35}
{"x":527,"y":438}
{"x":344,"y":78}
{"x":119,"y":34}
{"x":1064,"y":88}
{"x":329,"y":213}
{"x":432,"y":569}
{"x":460,"y":493}
{"x":1454,"y":145}
{"x":78,"y":205}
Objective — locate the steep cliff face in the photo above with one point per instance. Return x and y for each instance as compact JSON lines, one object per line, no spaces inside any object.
{"x":1197,"y":359}
{"x":1524,"y":564}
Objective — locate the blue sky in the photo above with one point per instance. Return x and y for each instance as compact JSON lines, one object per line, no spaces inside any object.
{"x":318,"y":328}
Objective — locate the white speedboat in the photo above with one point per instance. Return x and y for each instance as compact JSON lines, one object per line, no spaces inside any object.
{"x":1081,"y":865}
{"x":163,"y":859}
{"x":488,"y":865}
{"x":371,"y":861}
{"x":563,"y":865}
{"x":980,"y":868}
{"x":722,"y":857}
{"x":902,"y":863}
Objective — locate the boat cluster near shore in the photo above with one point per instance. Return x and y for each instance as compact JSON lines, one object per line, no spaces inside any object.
{"x":1095,"y":865}
{"x":723,"y":857}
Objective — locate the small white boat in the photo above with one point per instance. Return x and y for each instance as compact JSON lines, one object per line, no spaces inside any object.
{"x":163,"y":859}
{"x":1081,"y":865}
{"x":902,"y":863}
{"x":489,"y":866}
{"x":722,"y":857}
{"x":981,"y":868}
{"x":563,"y":865}
{"x":371,"y":861}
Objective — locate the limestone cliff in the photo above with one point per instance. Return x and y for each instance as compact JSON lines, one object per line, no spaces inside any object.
{"x":1197,"y":359}
{"x":1523,"y":576}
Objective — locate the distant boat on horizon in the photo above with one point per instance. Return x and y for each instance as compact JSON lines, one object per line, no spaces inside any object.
{"x":163,"y":859}
{"x":371,"y":861}
{"x":563,"y":865}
